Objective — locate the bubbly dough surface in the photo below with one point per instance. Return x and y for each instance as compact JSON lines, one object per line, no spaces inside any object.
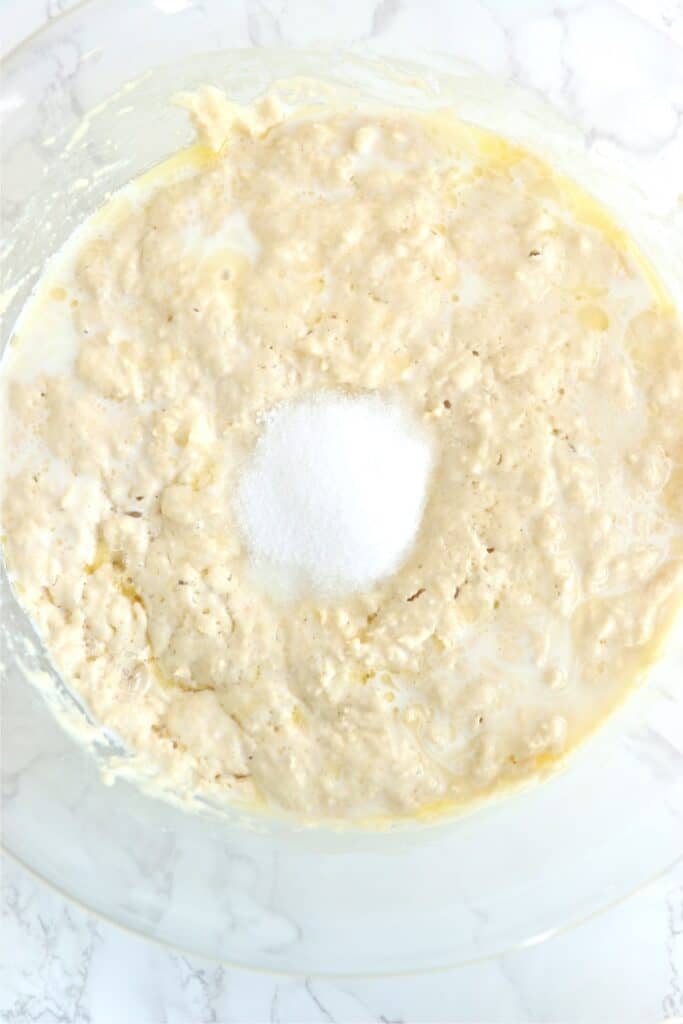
{"x":390,"y":252}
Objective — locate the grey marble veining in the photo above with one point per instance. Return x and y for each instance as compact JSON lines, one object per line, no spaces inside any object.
{"x":66,"y":966}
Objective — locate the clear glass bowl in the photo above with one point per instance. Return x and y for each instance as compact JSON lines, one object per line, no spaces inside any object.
{"x":262,"y":893}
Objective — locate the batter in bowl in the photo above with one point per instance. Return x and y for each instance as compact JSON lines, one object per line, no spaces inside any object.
{"x":327,"y":259}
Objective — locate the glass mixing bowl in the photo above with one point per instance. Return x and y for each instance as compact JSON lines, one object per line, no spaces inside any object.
{"x":85,"y":106}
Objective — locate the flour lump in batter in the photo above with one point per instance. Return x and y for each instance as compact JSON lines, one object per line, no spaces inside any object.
{"x":395,"y":254}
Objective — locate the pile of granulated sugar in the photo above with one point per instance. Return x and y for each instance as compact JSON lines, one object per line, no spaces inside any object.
{"x":333,"y":496}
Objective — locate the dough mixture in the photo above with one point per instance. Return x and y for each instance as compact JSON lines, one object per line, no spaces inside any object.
{"x":395,"y":254}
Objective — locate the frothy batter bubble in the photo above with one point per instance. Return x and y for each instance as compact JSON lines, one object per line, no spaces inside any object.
{"x":332,"y":498}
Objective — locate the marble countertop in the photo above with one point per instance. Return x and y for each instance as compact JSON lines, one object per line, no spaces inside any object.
{"x":60,"y":963}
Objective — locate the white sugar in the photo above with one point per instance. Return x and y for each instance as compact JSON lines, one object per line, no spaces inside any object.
{"x":333,"y":496}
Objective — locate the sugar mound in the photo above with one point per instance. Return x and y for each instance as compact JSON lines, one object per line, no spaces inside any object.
{"x":333,"y":496}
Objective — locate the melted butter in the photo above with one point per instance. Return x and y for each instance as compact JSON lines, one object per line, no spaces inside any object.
{"x":498,"y":153}
{"x":101,"y":558}
{"x":589,"y":211}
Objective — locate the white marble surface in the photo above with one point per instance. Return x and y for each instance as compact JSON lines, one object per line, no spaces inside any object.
{"x":61,"y":964}
{"x":57,"y":962}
